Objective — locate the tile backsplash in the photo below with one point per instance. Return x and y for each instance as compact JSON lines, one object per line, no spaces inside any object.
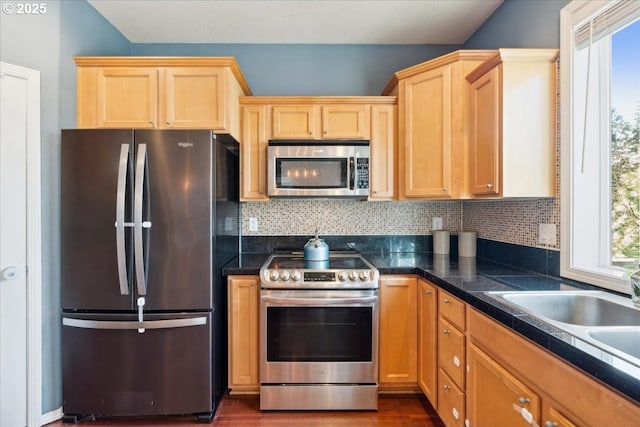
{"x":509,"y":221}
{"x":348,"y":217}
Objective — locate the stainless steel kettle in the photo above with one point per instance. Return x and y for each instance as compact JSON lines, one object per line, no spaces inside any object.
{"x":316,"y":249}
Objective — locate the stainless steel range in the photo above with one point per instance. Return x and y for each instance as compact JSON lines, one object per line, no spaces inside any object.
{"x":318,"y":333}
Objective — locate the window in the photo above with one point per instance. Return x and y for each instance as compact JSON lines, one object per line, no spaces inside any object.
{"x":600,"y":139}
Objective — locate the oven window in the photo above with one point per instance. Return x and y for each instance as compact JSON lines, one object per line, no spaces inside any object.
{"x":315,"y":173}
{"x":319,"y":334}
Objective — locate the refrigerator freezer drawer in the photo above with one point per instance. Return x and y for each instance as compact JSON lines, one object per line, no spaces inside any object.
{"x":109,"y":368}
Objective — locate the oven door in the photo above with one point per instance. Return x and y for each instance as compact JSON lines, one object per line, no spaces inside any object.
{"x":319,"y":336}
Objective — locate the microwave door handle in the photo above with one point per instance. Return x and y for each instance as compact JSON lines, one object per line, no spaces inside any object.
{"x":352,"y":173}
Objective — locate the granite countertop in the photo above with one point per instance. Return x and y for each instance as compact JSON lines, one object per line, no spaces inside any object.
{"x":469,"y":279}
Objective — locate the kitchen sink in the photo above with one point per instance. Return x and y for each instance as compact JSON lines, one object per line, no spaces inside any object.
{"x":588,"y":308}
{"x":604,"y":320}
{"x":624,"y":340}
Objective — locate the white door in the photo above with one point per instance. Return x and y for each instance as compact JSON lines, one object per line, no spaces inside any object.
{"x":19,"y":130}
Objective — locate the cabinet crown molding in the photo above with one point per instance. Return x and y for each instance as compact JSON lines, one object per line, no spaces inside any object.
{"x":319,"y":100}
{"x":513,"y":55}
{"x":166,"y":61}
{"x":469,"y":55}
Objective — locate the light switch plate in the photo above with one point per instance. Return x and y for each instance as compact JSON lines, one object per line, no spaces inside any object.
{"x":547,"y":234}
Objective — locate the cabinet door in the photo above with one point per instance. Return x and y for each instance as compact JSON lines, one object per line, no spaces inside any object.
{"x":451,"y":350}
{"x":495,"y":398}
{"x":346,"y":121}
{"x":450,"y":401}
{"x":193,"y":97}
{"x":295,"y":122}
{"x":486,"y":141}
{"x":243,"y":319}
{"x":127,"y":97}
{"x":427,"y":341}
{"x":553,"y":417}
{"x":253,"y":153}
{"x":383,"y":144}
{"x":398,"y":330}
{"x":425,"y":138}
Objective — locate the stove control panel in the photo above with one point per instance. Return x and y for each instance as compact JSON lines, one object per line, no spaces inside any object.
{"x":278,"y":276}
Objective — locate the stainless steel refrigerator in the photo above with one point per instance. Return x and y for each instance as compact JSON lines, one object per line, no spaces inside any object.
{"x":148,"y":219}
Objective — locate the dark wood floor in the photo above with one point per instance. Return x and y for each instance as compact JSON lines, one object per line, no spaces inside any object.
{"x":244,"y":411}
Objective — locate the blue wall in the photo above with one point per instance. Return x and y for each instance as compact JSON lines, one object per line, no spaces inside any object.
{"x":520,"y":23}
{"x":298,"y":69}
{"x":47,"y":43}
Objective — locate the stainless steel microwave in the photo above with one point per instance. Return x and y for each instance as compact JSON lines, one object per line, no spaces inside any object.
{"x":322,"y":169}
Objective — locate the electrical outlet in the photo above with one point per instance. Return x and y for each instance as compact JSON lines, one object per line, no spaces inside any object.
{"x":253,"y":224}
{"x":547,"y":234}
{"x":436,"y":223}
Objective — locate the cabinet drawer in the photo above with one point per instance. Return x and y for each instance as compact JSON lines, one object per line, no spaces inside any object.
{"x":451,"y":308}
{"x":450,"y":401}
{"x":452,"y":351}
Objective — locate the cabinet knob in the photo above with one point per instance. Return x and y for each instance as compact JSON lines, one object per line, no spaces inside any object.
{"x":523,"y":400}
{"x":444,"y":190}
{"x":550,"y":424}
{"x":151,"y":121}
{"x":446,"y":301}
{"x":446,"y":387}
{"x":169,"y":123}
{"x":446,"y":331}
{"x":489,"y":185}
{"x":252,"y":284}
{"x":428,"y":292}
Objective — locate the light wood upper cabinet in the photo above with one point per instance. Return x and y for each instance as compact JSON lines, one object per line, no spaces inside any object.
{"x":243,"y":311}
{"x":398,"y":354}
{"x":312,"y":121}
{"x":160,"y":92}
{"x":194,"y":97}
{"x":295,"y":122}
{"x":428,"y":340}
{"x":253,"y":153}
{"x":383,"y":152}
{"x":122,"y":97}
{"x":513,"y":124}
{"x":433,"y":116}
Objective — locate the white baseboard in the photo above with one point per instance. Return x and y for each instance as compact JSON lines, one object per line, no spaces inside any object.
{"x":50,"y":417}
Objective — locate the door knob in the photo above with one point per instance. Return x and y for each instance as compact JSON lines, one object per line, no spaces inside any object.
{"x":10,"y":273}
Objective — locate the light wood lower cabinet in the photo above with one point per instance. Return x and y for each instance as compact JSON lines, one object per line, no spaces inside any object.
{"x":495,"y":398}
{"x":398,"y":354}
{"x":243,"y":318}
{"x":504,"y":367}
{"x":428,"y":340}
{"x":450,"y":401}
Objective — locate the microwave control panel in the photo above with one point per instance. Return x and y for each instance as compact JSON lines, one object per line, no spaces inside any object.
{"x":362,"y":168}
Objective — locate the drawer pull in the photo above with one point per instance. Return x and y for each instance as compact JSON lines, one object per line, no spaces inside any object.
{"x":446,"y":301}
{"x":446,"y":331}
{"x":524,"y":400}
{"x":550,"y":424}
{"x":446,"y":387}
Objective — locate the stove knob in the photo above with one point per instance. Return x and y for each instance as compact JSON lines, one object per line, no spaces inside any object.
{"x":296,"y":276}
{"x":275,"y":275}
{"x":353,"y":276}
{"x":364,"y":275}
{"x":342,"y":276}
{"x":285,"y":275}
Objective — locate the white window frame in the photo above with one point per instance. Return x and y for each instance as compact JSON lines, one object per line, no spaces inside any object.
{"x":599,"y":273}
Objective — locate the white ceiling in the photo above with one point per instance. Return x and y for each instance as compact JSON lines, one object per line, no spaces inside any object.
{"x":302,"y":21}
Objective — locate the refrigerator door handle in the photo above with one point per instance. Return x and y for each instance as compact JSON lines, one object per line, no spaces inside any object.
{"x":120,"y":223}
{"x":126,"y":325}
{"x":138,"y":224}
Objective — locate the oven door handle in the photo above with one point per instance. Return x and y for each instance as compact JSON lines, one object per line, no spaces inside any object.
{"x":319,"y":301}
